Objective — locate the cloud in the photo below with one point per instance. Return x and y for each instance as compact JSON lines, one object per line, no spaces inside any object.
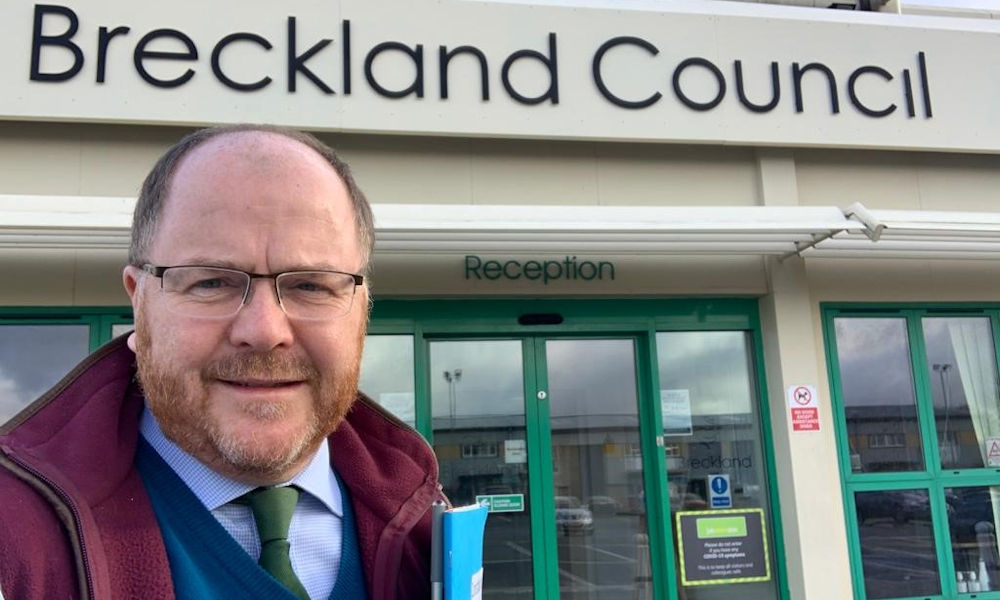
{"x":12,"y":398}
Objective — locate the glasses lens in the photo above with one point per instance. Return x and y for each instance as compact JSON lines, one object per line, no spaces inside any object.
{"x":205,"y":291}
{"x":316,"y":294}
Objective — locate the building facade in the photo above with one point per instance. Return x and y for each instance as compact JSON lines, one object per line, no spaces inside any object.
{"x":701,"y":297}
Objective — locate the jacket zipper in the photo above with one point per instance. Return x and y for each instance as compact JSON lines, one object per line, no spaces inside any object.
{"x":76,"y":518}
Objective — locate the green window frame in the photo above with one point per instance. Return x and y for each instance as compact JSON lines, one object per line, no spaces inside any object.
{"x":100,"y":319}
{"x":932,"y":477}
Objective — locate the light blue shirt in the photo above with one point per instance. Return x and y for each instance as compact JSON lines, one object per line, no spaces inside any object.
{"x":317,"y":523}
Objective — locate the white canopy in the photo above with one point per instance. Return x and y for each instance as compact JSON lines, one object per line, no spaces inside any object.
{"x":80,"y":222}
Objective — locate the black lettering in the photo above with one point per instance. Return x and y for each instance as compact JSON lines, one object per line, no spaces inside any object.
{"x":798,"y":72}
{"x":852,"y":91}
{"x":517,"y":271}
{"x":297,"y":62}
{"x":103,"y":38}
{"x":217,"y":67}
{"x":775,"y":89}
{"x":593,"y":270}
{"x":532,"y":269}
{"x":416,"y":54}
{"x":492,"y":269}
{"x":611,"y":266}
{"x":444,"y":59}
{"x":599,"y":78}
{"x":714,"y":70}
{"x":141,"y":54}
{"x":63,"y":40}
{"x":472,"y":264}
{"x":551,"y":64}
{"x":924,"y":84}
{"x":548,"y":274}
{"x":346,"y":35}
{"x":911,"y":110}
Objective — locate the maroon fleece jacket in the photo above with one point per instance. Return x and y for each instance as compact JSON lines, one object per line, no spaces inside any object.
{"x":75,"y":520}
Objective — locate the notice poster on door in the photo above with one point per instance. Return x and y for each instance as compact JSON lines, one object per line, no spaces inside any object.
{"x":675,"y":406}
{"x":722,"y":546}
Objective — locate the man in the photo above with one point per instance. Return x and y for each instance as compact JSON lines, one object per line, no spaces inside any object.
{"x":142,"y":475}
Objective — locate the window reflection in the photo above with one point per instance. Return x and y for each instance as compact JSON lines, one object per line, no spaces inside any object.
{"x":597,"y":470}
{"x":898,"y":554}
{"x":477,"y":405}
{"x":711,"y":426}
{"x":963,"y":381}
{"x":387,"y":374}
{"x":972,"y":521}
{"x":876,"y":384}
{"x":33,"y":358}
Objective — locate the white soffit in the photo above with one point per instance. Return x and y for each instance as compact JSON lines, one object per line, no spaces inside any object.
{"x":79,"y":222}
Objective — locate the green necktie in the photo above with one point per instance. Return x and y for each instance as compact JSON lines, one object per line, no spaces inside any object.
{"x":272,"y":510}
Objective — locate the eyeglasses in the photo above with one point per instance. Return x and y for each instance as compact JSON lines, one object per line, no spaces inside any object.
{"x":215,"y":292}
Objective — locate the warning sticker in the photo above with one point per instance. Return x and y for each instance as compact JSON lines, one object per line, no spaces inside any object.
{"x":993,"y":452}
{"x":803,"y":407}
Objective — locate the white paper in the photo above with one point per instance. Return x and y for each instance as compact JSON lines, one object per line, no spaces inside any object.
{"x":675,"y":407}
{"x":477,"y":585}
{"x":515,"y":451}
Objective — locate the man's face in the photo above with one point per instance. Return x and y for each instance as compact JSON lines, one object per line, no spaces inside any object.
{"x":251,"y":395}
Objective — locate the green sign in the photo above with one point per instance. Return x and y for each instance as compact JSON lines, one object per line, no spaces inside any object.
{"x":718,"y":527}
{"x":502,"y":502}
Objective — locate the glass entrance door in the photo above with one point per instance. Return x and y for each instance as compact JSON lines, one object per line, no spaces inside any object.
{"x":548,"y":428}
{"x":480,"y":436}
{"x":597,"y":469}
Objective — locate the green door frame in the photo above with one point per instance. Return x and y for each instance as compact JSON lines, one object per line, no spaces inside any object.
{"x":638,"y":320}
{"x":932,"y":478}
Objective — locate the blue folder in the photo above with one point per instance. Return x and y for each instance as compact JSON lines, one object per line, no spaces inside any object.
{"x":462,"y":546}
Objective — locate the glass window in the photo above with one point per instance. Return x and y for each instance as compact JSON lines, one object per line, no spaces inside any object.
{"x":33,"y":358}
{"x":912,"y":502}
{"x":972,"y":520}
{"x":387,"y":374}
{"x":878,"y":395}
{"x":961,"y":362}
{"x":118,"y":329}
{"x":898,"y":553}
{"x":711,"y":425}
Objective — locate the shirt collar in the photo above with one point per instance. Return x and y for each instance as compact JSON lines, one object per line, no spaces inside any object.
{"x":214,"y":489}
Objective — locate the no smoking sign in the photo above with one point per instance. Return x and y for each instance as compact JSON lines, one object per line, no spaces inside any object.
{"x":803,"y":406}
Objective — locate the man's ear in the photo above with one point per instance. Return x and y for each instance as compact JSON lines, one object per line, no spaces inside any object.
{"x":130,"y":279}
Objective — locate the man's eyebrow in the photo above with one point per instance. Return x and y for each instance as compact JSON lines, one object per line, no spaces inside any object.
{"x":201,"y":261}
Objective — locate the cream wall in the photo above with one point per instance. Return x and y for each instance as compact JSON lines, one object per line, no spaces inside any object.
{"x":899,"y":180}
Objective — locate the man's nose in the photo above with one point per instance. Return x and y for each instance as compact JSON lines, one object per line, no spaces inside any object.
{"x":261,"y":323}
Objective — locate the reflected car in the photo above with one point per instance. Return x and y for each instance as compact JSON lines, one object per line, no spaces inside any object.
{"x":603,"y":506}
{"x":693,"y":501}
{"x":900,"y":506}
{"x":573,"y":516}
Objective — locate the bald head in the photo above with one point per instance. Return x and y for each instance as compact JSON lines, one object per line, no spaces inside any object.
{"x":157,"y":186}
